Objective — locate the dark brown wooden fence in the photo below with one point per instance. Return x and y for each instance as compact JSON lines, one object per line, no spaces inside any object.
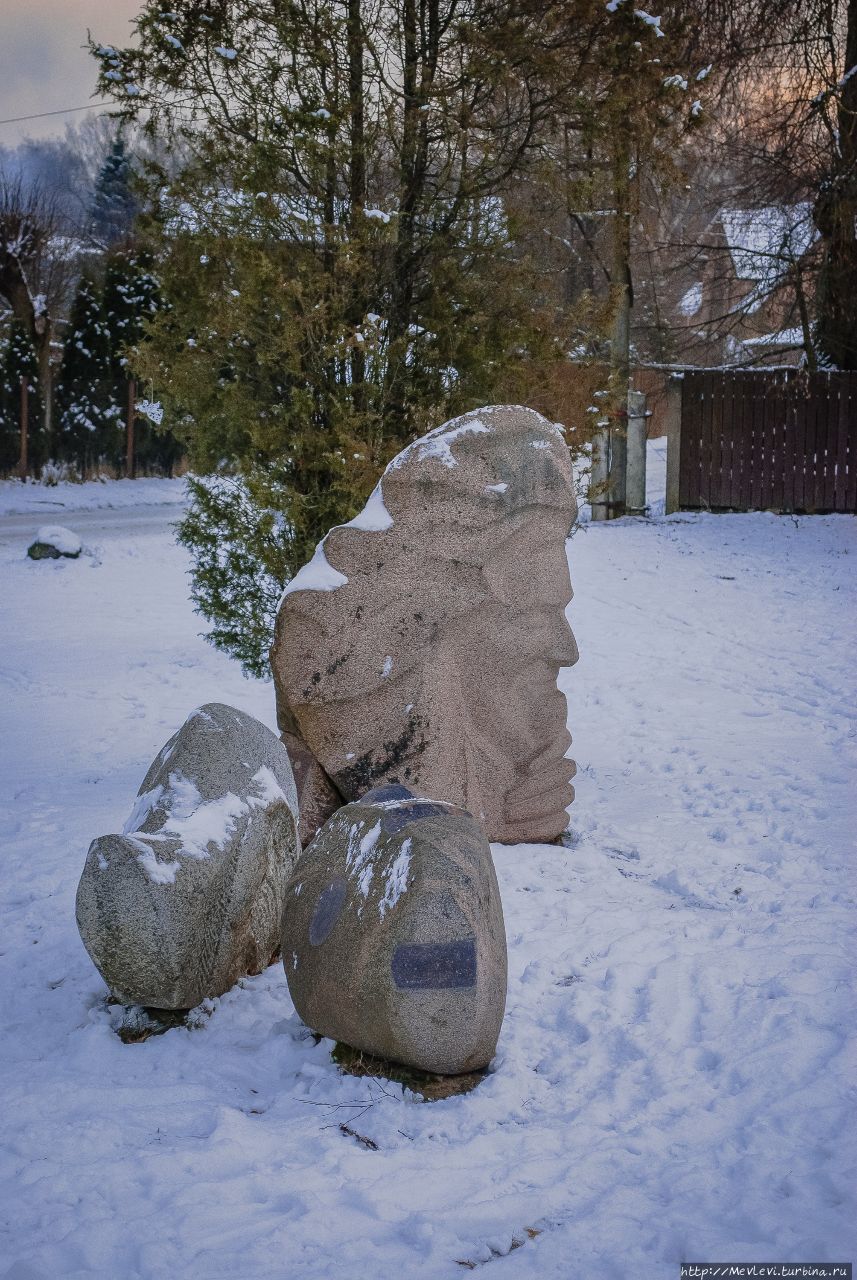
{"x":768,"y":440}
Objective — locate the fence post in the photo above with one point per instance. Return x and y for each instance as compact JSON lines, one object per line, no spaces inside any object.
{"x":599,"y":477}
{"x":130,"y":464}
{"x":635,"y":462}
{"x":675,"y":386}
{"x":607,"y":479}
{"x":25,"y":428}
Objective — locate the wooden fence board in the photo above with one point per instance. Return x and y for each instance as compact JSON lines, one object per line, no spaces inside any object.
{"x":736,"y":411}
{"x":779,"y":440}
{"x":840,"y":453}
{"x":851,"y":486}
{"x":794,"y":494}
{"x":822,"y":446}
{"x":719,"y":461}
{"x":689,"y":461}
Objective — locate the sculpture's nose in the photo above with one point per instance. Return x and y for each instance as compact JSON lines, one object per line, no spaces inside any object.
{"x":562,"y":646}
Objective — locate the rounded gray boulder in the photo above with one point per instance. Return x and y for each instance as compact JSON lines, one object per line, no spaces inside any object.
{"x":189,"y":898}
{"x":393,"y":935}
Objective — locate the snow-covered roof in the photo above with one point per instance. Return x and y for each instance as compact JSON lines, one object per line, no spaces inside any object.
{"x":785,"y":338}
{"x":764,"y":241}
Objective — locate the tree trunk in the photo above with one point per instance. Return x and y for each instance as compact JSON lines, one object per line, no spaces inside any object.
{"x":836,"y":216}
{"x":608,"y":498}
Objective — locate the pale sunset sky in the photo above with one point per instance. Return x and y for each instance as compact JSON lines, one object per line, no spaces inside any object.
{"x":42,"y":64}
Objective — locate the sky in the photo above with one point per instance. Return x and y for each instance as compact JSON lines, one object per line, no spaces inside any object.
{"x":43,"y":66}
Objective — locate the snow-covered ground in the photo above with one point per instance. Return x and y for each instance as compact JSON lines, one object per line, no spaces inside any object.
{"x":671,"y":1081}
{"x":53,"y":501}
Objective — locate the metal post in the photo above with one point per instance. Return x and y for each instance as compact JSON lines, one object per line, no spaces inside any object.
{"x":675,"y":387}
{"x":635,"y":464}
{"x":22,"y":462}
{"x":130,"y":465}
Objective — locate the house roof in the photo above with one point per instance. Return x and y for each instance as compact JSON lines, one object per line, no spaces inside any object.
{"x":764,"y":242}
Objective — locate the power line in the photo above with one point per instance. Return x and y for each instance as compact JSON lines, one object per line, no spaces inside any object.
{"x":64,"y":111}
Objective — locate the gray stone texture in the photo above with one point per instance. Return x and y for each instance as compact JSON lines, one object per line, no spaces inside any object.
{"x":422,"y":643}
{"x":189,"y":899}
{"x":318,"y":798}
{"x":393,"y":936}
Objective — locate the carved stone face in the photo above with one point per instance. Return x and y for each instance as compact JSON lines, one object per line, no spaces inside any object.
{"x":431,"y":658}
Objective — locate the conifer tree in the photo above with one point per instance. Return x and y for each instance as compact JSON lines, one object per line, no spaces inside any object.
{"x":89,"y":417}
{"x":132,"y":298}
{"x":114,"y":206}
{"x":18,"y":360}
{"x":335,"y":256}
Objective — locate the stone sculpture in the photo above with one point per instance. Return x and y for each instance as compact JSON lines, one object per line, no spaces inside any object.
{"x":421,"y":645}
{"x":189,"y":899}
{"x":393,"y":937}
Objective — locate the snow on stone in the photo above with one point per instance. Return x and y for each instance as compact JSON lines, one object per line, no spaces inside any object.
{"x":56,"y":535}
{"x":397,"y":878}
{"x":359,"y":861}
{"x":690,"y":302}
{"x":318,"y":575}
{"x":374,"y":518}
{"x":675,"y":82}
{"x":437,"y":443}
{"x":194,"y":823}
{"x":159,"y":872}
{"x":143,"y":806}
{"x":269,"y":789}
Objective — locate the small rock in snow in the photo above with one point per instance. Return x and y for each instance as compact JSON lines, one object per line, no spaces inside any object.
{"x":53,"y":541}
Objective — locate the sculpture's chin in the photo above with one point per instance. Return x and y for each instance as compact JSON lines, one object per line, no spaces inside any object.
{"x":535,"y":810}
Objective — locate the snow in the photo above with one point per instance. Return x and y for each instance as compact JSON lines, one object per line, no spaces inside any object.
{"x":228,"y":54}
{"x":784,"y":338}
{"x":673,"y":1072}
{"x":359,"y":860}
{"x":379,"y":215}
{"x":650,"y":21}
{"x":387,"y":668}
{"x":318,"y":575}
{"x":397,"y":878}
{"x":56,"y":535}
{"x":690,"y":302}
{"x":23,"y":499}
{"x":437,"y":444}
{"x":764,"y":242}
{"x":374,"y":518}
{"x":497,"y":488}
